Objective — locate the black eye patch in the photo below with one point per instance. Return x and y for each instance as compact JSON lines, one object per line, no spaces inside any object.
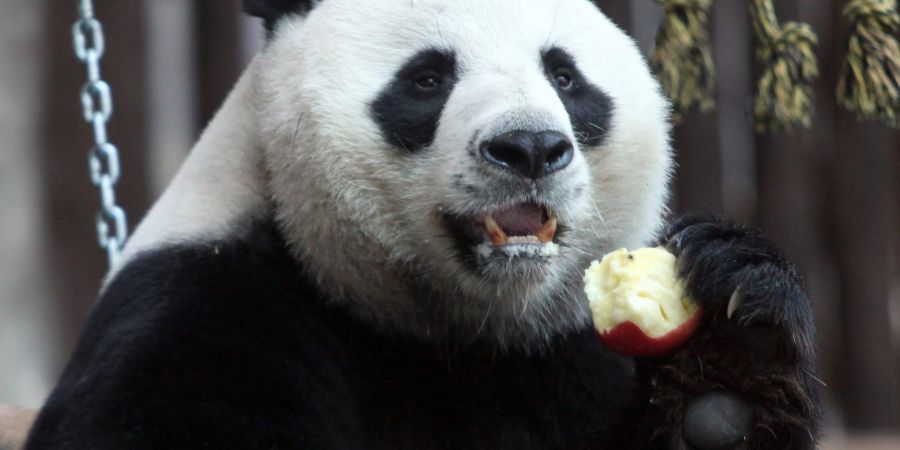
{"x":408,"y":109}
{"x":590,"y":109}
{"x":271,"y":11}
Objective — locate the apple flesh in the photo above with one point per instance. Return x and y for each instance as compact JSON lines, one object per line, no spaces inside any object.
{"x":638,"y":303}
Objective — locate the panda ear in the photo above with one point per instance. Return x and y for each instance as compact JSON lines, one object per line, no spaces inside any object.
{"x":272,"y":10}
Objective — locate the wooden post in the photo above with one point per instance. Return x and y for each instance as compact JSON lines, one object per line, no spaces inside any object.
{"x":218,"y":51}
{"x":619,"y":11}
{"x":697,"y":185}
{"x":785,"y":162}
{"x":817,"y":240}
{"x":733,"y":53}
{"x":793,"y":203}
{"x":863,"y":226}
{"x":698,"y":177}
{"x":862,"y":215}
{"x":697,"y":142}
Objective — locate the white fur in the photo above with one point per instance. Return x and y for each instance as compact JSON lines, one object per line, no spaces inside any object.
{"x":363,"y":217}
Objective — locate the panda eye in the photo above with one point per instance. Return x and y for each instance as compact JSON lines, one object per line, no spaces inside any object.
{"x":564,"y":78}
{"x":428,"y":82}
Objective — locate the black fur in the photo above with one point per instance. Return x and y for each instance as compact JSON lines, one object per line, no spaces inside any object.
{"x":227,"y":345}
{"x":407,"y":114}
{"x":590,"y":109}
{"x":273,"y":10}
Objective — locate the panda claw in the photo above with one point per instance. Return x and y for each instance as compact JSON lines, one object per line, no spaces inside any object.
{"x":734,"y":303}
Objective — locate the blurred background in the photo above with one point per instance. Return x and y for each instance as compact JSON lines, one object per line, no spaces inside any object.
{"x":829,"y":196}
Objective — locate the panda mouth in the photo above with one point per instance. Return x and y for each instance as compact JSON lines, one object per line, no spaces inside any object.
{"x":509,"y":230}
{"x":522,"y":224}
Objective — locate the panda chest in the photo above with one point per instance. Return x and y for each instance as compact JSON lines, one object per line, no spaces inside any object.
{"x":490,"y":402}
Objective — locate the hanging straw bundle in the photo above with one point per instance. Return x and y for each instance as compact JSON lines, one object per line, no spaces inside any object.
{"x":682,"y":60}
{"x":869,"y":83}
{"x":784,"y":94}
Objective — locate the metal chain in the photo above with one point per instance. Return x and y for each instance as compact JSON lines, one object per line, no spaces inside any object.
{"x":103,"y":159}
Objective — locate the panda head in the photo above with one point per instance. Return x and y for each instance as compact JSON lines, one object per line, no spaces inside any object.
{"x":446,"y":169}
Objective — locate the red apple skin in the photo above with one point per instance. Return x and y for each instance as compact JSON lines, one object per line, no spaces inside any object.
{"x":628,"y":339}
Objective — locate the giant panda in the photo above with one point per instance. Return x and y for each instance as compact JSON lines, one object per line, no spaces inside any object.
{"x":379,"y":242}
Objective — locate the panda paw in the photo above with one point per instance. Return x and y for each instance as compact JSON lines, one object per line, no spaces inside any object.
{"x":746,"y":379}
{"x":738,"y":275}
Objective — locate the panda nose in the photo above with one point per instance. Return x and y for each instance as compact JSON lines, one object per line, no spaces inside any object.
{"x":532,"y":155}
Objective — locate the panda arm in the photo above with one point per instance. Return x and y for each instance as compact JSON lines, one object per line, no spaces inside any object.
{"x":747,"y":378}
{"x":198,"y":347}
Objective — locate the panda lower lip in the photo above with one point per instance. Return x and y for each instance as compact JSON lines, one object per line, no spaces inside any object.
{"x":498,"y":236}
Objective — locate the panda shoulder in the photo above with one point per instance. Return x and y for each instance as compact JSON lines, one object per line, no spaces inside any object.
{"x":247,"y":275}
{"x":179,"y":327}
{"x":239,"y":295}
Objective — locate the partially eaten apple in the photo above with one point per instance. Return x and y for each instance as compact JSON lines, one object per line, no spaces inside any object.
{"x":638,"y":302}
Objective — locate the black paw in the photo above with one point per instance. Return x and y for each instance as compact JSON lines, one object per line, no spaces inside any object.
{"x":738,"y":276}
{"x":746,"y":379}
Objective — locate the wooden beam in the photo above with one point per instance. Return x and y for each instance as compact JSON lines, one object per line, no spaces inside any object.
{"x":863,"y":226}
{"x":733,"y":52}
{"x":218,"y":52}
{"x":698,"y":176}
{"x":619,"y":11}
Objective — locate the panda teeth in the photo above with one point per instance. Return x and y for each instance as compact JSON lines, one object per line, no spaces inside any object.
{"x":548,"y":230}
{"x":495,"y":233}
{"x":544,"y":235}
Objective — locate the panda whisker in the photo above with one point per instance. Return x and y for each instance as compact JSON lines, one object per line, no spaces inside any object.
{"x":355,"y":184}
{"x":484,"y":321}
{"x":297,"y":130}
{"x":582,"y":138}
{"x":402,"y":142}
{"x":437,"y":26}
{"x":598,"y":127}
{"x":552,"y":27}
{"x":599,"y":214}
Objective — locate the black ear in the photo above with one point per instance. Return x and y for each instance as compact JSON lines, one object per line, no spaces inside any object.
{"x":272,"y":10}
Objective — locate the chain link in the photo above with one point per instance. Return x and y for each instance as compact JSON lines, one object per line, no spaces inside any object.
{"x":103,"y":159}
